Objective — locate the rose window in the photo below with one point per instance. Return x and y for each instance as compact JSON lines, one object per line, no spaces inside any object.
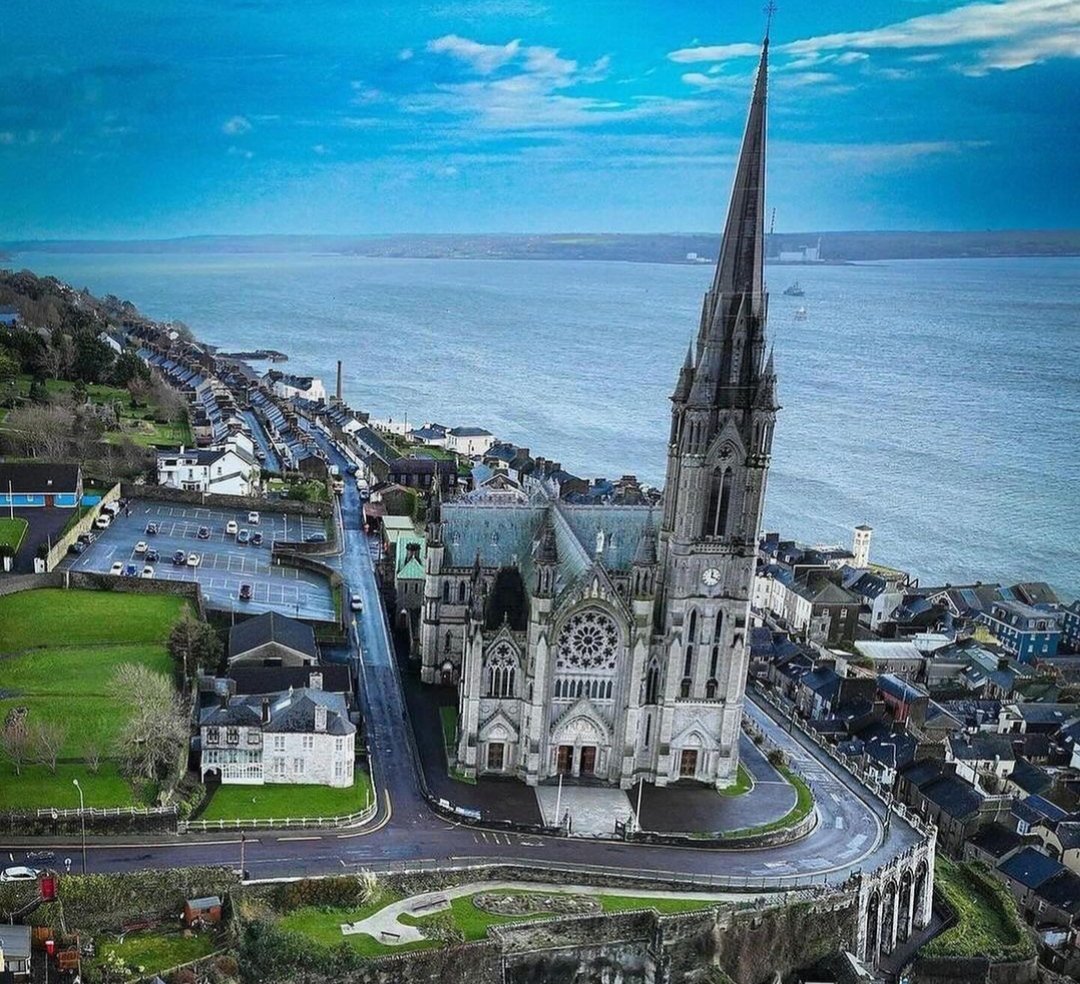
{"x":589,"y":641}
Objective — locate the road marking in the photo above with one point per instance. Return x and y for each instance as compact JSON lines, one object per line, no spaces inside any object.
{"x":314,"y":837}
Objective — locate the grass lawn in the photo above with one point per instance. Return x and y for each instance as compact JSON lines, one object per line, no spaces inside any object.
{"x":152,"y":952}
{"x":52,"y":617}
{"x":12,"y":532}
{"x":324,"y":924}
{"x":58,"y":652}
{"x":987,"y":921}
{"x":151,"y":433}
{"x":279,"y":802}
{"x":448,"y":716}
{"x":743,"y":783}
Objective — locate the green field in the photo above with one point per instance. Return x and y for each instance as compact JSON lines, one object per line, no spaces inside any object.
{"x":280,"y":802}
{"x":58,"y":653}
{"x":152,"y":952}
{"x":12,"y":532}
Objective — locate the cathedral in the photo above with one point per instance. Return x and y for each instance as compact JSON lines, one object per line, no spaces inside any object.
{"x":610,"y":642}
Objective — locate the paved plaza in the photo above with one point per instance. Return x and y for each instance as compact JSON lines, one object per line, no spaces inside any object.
{"x":224,"y":564}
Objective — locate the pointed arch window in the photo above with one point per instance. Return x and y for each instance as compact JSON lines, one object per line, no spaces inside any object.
{"x":501,"y":672}
{"x":461,"y":593}
{"x":716,"y":517}
{"x":714,"y":659}
{"x":688,"y":661}
{"x":718,"y":627}
{"x":446,"y":591}
{"x":691,"y":632}
{"x":710,"y":689}
{"x":449,"y":642}
{"x":652,"y":684}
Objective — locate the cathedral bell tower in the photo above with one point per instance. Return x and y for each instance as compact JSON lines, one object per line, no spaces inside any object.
{"x":722,"y":416}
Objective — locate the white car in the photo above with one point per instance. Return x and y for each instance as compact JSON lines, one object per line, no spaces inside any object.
{"x":147,"y":572}
{"x":231,"y":528}
{"x":356,"y":603}
{"x":193,"y":560}
{"x":117,"y":568}
{"x":253,"y":518}
{"x":18,"y":874}
{"x":103,"y":521}
{"x":140,"y":547}
{"x":112,"y":508}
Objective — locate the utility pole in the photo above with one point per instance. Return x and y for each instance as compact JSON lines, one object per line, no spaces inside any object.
{"x":243,"y":841}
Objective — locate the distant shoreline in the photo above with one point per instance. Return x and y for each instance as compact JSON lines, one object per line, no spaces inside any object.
{"x":692,"y":249}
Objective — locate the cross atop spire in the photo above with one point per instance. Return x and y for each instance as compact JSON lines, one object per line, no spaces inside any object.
{"x":769,"y":9}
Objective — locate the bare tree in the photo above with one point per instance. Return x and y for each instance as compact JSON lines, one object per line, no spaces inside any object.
{"x":151,"y":740}
{"x":92,"y":756}
{"x":46,"y":740}
{"x":40,"y":431}
{"x":15,"y":739}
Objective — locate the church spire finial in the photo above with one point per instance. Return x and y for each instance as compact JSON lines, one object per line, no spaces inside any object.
{"x":769,"y":9}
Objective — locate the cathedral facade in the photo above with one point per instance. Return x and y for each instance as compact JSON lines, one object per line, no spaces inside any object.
{"x":611,"y":642}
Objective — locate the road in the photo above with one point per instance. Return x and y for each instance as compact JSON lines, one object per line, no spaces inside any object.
{"x":851,"y":833}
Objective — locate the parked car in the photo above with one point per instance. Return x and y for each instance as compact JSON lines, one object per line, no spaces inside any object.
{"x":356,"y":603}
{"x":231,"y":528}
{"x":18,"y":873}
{"x":243,"y":536}
{"x":140,"y":547}
{"x":117,"y":568}
{"x":88,"y":537}
{"x":103,"y":521}
{"x":111,"y":508}
{"x":152,"y":556}
{"x":152,"y":528}
{"x":130,"y":570}
{"x":245,"y":592}
{"x":352,"y":468}
{"x":193,"y":560}
{"x":77,"y":547}
{"x":179,"y":558}
{"x":253,"y":518}
{"x":204,"y":533}
{"x":147,"y":572}
{"x":256,"y":539}
{"x":316,"y":538}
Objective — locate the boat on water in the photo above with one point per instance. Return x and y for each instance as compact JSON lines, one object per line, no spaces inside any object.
{"x":795,"y":290}
{"x":800,"y":313}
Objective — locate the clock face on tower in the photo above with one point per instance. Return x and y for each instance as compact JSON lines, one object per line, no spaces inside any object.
{"x":710,"y":576}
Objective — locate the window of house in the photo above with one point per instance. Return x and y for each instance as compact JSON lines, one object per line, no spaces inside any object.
{"x":213,"y":736}
{"x":298,"y":766}
{"x":309,"y":741}
{"x":279,"y":766}
{"x":339,"y":744}
{"x":232,"y":736}
{"x":338,"y":770}
{"x":279,"y":743}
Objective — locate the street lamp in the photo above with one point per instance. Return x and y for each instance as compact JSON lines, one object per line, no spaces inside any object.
{"x":82,"y":817}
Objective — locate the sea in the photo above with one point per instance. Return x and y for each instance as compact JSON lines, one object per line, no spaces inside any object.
{"x":936,"y":400}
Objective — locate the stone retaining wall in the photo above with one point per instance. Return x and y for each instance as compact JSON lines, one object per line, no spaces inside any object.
{"x":161,"y":493}
{"x":60,"y":548}
{"x":973,"y":970}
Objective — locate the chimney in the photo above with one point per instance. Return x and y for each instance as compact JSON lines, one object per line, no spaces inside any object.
{"x":320,"y":718}
{"x":266,"y":710}
{"x":315,"y":681}
{"x":339,"y":380}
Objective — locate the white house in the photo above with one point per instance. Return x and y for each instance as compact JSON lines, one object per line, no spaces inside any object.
{"x":469,"y":441}
{"x":228,"y":469}
{"x":773,"y":594}
{"x":286,"y":386}
{"x":297,"y":737}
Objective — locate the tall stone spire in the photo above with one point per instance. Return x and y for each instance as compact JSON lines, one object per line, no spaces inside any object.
{"x":730,"y":339}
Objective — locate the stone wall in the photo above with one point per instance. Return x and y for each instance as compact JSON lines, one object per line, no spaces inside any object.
{"x":60,"y":548}
{"x":91,"y":581}
{"x":973,"y":970}
{"x":242,"y":503}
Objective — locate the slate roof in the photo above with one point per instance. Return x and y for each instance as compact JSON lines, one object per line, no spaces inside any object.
{"x":1062,"y":891}
{"x":982,"y":747}
{"x":275,"y":679}
{"x":823,"y":681}
{"x":1035,"y":809}
{"x":294,"y":711}
{"x":996,"y":840}
{"x":271,"y":627}
{"x":422,"y":466}
{"x":923,"y":773}
{"x":15,"y":942}
{"x":46,"y":477}
{"x":1069,"y":834}
{"x":468,"y":432}
{"x":1030,"y":778}
{"x":1030,"y":867}
{"x":955,"y":797}
{"x":903,"y":690}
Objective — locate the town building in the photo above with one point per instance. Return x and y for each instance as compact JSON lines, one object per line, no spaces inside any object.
{"x":228,"y":469}
{"x":424,"y":473}
{"x":272,"y":639}
{"x":44,"y":484}
{"x":611,"y":641}
{"x":299,"y":736}
{"x":1027,"y":632}
{"x":1070,"y":627}
{"x":469,"y":441}
{"x":285,"y":386}
{"x":15,"y":952}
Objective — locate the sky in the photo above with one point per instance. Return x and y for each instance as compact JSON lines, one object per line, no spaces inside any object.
{"x":155,"y":118}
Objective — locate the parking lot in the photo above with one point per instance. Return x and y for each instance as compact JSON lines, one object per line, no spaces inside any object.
{"x":224,"y":564}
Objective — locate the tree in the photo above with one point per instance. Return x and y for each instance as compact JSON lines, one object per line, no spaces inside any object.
{"x":194,"y":645}
{"x":150,"y":742}
{"x":46,"y":740}
{"x":93,"y":358}
{"x":15,"y":739}
{"x":92,"y":756}
{"x":127,"y":368}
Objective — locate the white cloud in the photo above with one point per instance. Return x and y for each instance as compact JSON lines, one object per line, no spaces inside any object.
{"x":714,"y":52}
{"x":236,"y":125}
{"x":365,"y":95}
{"x":877,"y":156}
{"x":320,"y":149}
{"x":709,"y":82}
{"x":240,"y":152}
{"x":484,"y":58}
{"x":405,"y":54}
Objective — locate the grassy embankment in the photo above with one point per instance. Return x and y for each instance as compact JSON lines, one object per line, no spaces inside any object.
{"x":58,"y":652}
{"x":280,"y":802}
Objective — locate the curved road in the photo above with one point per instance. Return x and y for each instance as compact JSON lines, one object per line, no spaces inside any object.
{"x":851,"y":833}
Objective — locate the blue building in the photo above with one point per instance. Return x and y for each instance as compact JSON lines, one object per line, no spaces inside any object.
{"x":1070,"y":627}
{"x":1028,"y":632}
{"x":45,"y":484}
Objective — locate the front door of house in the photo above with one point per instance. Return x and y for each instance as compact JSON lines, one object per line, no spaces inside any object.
{"x":688,"y":763}
{"x":588,"y":760}
{"x":566,"y":759}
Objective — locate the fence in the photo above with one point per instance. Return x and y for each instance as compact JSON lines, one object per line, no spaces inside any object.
{"x":95,"y":812}
{"x":334,"y":823}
